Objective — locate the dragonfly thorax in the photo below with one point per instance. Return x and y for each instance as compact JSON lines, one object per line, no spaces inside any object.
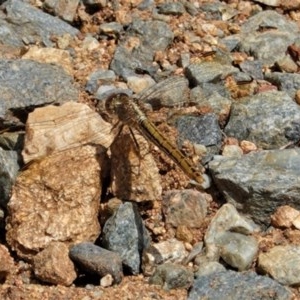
{"x":122,"y":106}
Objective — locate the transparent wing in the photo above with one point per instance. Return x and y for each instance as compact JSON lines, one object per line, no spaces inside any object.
{"x":55,"y":129}
{"x":171,"y":92}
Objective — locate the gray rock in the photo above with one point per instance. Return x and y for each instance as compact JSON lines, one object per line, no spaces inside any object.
{"x":126,"y":234}
{"x":252,"y":68}
{"x":208,"y":71}
{"x":218,"y":104}
{"x":267,"y":45}
{"x":231,"y":41}
{"x":227,"y":219}
{"x":166,"y":251}
{"x":232,"y":151}
{"x":237,"y":250}
{"x":9,"y":169}
{"x":96,"y":260}
{"x":139,"y":83}
{"x":287,"y":64}
{"x":289,"y":83}
{"x":270,"y":120}
{"x":269,"y":19}
{"x":282,"y":263}
{"x":53,"y":265}
{"x":146,"y":5}
{"x":258,"y":183}
{"x":21,"y":22}
{"x":172,"y":276}
{"x":204,"y":130}
{"x":208,"y":268}
{"x":111,"y":28}
{"x":187,"y":207}
{"x":95,"y":3}
{"x":214,"y":10}
{"x":190,"y":7}
{"x":27,"y":83}
{"x":175,"y":9}
{"x":97,"y":78}
{"x":231,"y":285}
{"x":197,"y":248}
{"x":154,"y":36}
{"x":274,"y":3}
{"x":241,"y":76}
{"x":63,"y":9}
{"x":12,"y":140}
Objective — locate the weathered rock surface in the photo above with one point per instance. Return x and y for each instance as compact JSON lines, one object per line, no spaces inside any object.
{"x":237,"y":250}
{"x":46,"y":84}
{"x":172,"y":251}
{"x":96,"y":260}
{"x":125,"y":234}
{"x":134,"y":173}
{"x":21,"y":22}
{"x":53,"y":265}
{"x":231,"y":285}
{"x":269,"y":119}
{"x":54,"y":129}
{"x":187,"y":207}
{"x":55,"y":199}
{"x":126,"y":60}
{"x":7,"y":264}
{"x":267,"y":45}
{"x":9,"y":169}
{"x":172,"y":276}
{"x":258,"y":183}
{"x":282,"y":264}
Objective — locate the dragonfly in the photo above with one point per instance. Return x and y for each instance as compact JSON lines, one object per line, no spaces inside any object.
{"x":131,"y":112}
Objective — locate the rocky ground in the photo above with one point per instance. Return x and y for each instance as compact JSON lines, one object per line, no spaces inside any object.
{"x":89,"y":212}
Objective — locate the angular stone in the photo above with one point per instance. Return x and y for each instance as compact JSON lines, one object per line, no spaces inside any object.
{"x":167,"y":251}
{"x":208,"y":268}
{"x":134,"y":173}
{"x":237,"y":250}
{"x":226,"y":219}
{"x":56,"y":199}
{"x":231,"y":285}
{"x":282,"y":263}
{"x":25,"y":22}
{"x":284,"y":216}
{"x":51,"y":56}
{"x":9,"y":170}
{"x":259,"y":182}
{"x":66,"y":9}
{"x":53,"y":265}
{"x":172,"y":276}
{"x":125,"y":234}
{"x":54,"y":129}
{"x":269,"y":119}
{"x":7,"y":264}
{"x":185,"y":208}
{"x":46,"y":84}
{"x":96,"y":260}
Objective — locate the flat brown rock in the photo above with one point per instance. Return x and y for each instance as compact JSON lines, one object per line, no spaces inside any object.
{"x":56,"y":199}
{"x":54,"y":129}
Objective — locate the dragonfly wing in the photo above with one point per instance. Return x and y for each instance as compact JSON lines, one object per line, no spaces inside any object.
{"x":55,"y":129}
{"x":171,"y":92}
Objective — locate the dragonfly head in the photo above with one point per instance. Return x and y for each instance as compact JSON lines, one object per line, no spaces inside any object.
{"x":115,"y":102}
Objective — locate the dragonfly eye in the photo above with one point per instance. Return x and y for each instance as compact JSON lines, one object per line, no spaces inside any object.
{"x":114,"y":101}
